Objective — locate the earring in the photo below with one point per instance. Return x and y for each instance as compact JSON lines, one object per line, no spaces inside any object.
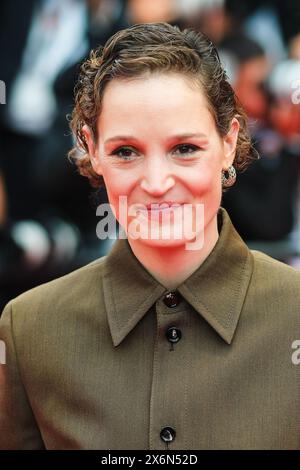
{"x":228,"y":177}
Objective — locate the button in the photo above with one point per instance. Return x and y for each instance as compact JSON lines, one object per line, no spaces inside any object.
{"x":173,"y":334}
{"x":167,"y":434}
{"x":172,"y":299}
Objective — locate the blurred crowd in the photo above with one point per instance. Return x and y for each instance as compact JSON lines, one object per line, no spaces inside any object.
{"x":48,"y":212}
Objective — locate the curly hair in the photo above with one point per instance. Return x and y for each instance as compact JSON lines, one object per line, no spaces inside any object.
{"x":155,"y":47}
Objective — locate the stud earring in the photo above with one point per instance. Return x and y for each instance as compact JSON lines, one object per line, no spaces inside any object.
{"x":228,"y":177}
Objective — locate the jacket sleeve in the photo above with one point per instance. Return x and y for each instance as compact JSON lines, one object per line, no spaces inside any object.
{"x":18,"y":428}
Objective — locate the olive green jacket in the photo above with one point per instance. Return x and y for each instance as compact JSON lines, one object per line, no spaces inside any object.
{"x":99,"y":359}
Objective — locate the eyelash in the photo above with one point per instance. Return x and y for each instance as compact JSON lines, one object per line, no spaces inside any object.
{"x":116,"y":152}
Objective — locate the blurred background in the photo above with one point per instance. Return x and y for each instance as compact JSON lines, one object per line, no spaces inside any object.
{"x":48,"y":212}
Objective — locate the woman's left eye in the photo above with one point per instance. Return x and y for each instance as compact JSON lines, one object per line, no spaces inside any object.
{"x":183,"y":149}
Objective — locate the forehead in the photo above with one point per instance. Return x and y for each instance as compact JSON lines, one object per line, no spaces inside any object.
{"x":167,"y":98}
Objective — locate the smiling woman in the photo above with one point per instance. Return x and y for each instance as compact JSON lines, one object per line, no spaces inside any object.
{"x":163,"y":343}
{"x":168,"y":126}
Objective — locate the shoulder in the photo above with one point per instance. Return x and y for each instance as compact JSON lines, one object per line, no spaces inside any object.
{"x":265,"y":263}
{"x":275,"y":278}
{"x":76,"y":291}
{"x":48,"y":326}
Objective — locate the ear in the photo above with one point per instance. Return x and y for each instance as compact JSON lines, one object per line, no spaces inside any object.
{"x":229,"y":142}
{"x":93,"y":149}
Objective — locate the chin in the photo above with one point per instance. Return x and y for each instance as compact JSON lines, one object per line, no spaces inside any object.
{"x":161,"y":243}
{"x":194,"y":242}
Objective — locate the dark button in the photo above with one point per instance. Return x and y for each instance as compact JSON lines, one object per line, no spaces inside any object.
{"x":173,"y":334}
{"x":172,"y":299}
{"x":167,"y":434}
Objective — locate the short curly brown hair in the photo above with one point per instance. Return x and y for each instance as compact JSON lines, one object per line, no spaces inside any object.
{"x":155,"y":47}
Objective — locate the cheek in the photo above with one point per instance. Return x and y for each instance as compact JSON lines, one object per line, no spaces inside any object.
{"x":118,"y":183}
{"x":205,"y":179}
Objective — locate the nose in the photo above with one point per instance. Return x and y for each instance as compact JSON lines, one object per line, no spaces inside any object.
{"x":157,"y":178}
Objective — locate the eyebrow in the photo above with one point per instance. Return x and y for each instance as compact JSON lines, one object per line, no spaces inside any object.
{"x":178,"y":136}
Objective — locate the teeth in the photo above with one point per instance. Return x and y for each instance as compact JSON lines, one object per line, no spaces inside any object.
{"x":164,"y":204}
{"x":164,"y":208}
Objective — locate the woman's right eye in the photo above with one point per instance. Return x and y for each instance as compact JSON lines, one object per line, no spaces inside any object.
{"x":125,"y":153}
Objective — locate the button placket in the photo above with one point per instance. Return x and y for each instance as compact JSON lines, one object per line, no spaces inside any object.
{"x":172,"y":300}
{"x":163,"y":410}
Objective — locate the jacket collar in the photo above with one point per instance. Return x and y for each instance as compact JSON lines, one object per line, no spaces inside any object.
{"x":216,"y":290}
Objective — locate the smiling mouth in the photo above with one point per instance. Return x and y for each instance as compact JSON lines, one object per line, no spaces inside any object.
{"x":156,"y":210}
{"x":164,"y":209}
{"x":163,"y":206}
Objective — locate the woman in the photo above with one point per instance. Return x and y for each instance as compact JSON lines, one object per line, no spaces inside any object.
{"x":181,"y":342}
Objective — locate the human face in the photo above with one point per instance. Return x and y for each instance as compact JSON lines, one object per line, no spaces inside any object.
{"x":158,"y":142}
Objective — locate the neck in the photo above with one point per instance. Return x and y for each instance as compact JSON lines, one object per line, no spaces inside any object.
{"x":171,"y":266}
